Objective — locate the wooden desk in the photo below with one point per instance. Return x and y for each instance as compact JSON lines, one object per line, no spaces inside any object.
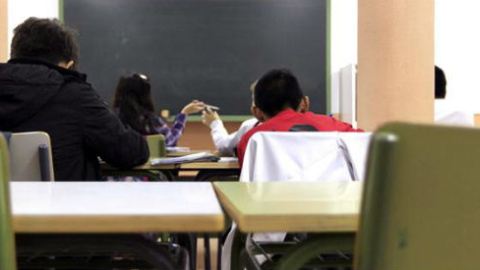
{"x":183,"y":166}
{"x":115,"y":207}
{"x":292,"y":206}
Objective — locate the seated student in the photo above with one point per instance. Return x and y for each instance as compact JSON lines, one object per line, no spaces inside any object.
{"x":226,"y":143}
{"x":41,"y":91}
{"x":277,"y":96}
{"x":445,"y":113}
{"x":133,"y":105}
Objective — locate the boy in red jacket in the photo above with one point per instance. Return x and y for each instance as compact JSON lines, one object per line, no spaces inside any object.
{"x":277,"y":97}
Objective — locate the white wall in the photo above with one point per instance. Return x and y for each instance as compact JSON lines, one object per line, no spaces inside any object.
{"x":19,"y":10}
{"x":457,"y":50}
{"x":343,"y":43}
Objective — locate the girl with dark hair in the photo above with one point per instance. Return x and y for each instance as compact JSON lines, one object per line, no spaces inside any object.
{"x":133,"y":105}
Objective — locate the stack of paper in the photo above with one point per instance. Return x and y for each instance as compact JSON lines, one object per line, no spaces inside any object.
{"x":197,"y":157}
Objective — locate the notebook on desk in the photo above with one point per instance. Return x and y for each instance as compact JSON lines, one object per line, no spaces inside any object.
{"x":197,"y":157}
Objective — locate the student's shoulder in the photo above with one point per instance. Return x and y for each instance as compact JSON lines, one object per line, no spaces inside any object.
{"x":249,"y":133}
{"x":80,"y":90}
{"x":319,"y":116}
{"x":249,"y":123}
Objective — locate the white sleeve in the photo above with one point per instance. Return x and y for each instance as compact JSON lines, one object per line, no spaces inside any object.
{"x":221,"y":138}
{"x":224,"y":142}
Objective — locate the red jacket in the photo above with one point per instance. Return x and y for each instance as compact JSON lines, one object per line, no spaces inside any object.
{"x":285,"y":120}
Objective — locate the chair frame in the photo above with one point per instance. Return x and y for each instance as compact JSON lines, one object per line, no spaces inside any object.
{"x":7,"y":243}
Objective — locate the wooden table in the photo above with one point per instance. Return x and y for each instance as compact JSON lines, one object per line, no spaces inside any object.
{"x":182,"y":166}
{"x":115,"y":207}
{"x":292,"y":206}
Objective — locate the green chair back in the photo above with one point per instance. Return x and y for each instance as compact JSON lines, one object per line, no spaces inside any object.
{"x":421,"y":202}
{"x":157,"y":146}
{"x":7,"y":242}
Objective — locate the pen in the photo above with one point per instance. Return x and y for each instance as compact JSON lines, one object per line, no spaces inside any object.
{"x":213,"y":108}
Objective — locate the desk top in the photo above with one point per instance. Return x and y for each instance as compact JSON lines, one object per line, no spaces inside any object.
{"x":90,"y":207}
{"x":292,"y":206}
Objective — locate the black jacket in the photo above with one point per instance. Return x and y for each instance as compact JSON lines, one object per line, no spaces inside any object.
{"x":35,"y":96}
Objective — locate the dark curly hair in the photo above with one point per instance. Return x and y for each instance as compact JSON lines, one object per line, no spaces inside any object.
{"x":276,"y":91}
{"x":46,"y":40}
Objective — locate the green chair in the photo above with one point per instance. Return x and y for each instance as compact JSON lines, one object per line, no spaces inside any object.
{"x":156,"y":145}
{"x":7,"y":242}
{"x":421,"y":201}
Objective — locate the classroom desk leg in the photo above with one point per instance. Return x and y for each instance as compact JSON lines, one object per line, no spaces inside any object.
{"x":207,"y":175}
{"x":189,"y":241}
{"x":206,"y":243}
{"x":219,"y":252}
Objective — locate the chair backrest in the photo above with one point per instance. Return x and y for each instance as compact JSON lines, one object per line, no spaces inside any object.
{"x":420,"y":206}
{"x":31,"y":157}
{"x":7,"y":243}
{"x":157,"y":145}
{"x":305,"y":156}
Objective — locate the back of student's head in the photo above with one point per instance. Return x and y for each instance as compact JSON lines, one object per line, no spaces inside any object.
{"x":276,"y":91}
{"x":133,"y":101}
{"x":45,"y":40}
{"x":440,"y":83}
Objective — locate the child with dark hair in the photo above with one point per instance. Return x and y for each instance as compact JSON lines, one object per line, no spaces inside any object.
{"x":133,"y":105}
{"x":445,"y":112}
{"x":277,"y":97}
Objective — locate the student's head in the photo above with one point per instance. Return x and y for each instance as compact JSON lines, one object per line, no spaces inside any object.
{"x":276,"y":91}
{"x":45,"y":40}
{"x":440,"y":83}
{"x":133,"y":101}
{"x":133,"y":90}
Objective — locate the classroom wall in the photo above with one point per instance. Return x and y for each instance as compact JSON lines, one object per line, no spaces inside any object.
{"x":457,"y":50}
{"x":197,"y":135}
{"x":456,"y":45}
{"x":20,"y":10}
{"x":3,"y":30}
{"x":343,"y":32}
{"x":343,"y":44}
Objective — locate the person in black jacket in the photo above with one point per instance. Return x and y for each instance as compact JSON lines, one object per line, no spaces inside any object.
{"x":41,"y":91}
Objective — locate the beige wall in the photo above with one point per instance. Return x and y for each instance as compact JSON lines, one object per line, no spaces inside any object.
{"x":477,"y":120}
{"x":395,"y":61}
{"x":197,"y":136}
{"x":3,"y":30}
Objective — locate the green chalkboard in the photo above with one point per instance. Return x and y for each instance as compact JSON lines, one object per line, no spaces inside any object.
{"x":202,"y":49}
